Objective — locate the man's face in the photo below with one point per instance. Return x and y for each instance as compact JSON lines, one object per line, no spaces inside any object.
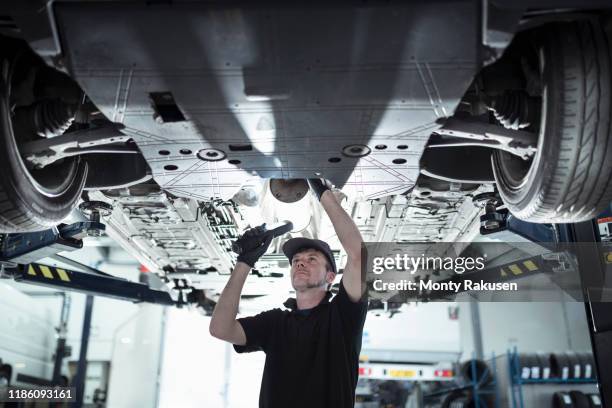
{"x":309,"y":270}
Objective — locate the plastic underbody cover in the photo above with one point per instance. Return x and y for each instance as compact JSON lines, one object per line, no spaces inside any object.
{"x":277,"y":91}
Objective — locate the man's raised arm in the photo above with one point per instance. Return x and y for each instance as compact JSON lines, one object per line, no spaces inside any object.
{"x":223,"y":324}
{"x":349,"y":237}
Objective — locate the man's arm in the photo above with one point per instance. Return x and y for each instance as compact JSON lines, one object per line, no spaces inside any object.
{"x":223,"y":324}
{"x":351,"y":241}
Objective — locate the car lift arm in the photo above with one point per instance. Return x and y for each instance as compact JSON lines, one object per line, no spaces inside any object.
{"x":94,"y":284}
{"x":19,"y":252}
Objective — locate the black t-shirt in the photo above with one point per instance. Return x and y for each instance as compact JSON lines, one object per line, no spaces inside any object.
{"x":312,"y":356}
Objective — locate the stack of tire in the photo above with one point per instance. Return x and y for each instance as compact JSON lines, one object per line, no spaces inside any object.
{"x":535,"y":366}
{"x":576,"y":399}
{"x":474,"y":372}
{"x":561,"y":365}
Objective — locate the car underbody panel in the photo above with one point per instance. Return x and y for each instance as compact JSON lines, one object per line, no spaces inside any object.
{"x":185,"y":240}
{"x":219,"y":98}
{"x":214,"y":94}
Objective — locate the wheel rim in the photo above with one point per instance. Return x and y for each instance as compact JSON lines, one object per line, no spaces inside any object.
{"x":514,"y":170}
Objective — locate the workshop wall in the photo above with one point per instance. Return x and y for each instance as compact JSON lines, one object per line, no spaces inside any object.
{"x":530,"y":326}
{"x":135,"y":364}
{"x":199,"y":370}
{"x":27,"y":335}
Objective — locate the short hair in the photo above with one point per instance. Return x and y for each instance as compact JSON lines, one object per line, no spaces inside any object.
{"x":328,"y":266}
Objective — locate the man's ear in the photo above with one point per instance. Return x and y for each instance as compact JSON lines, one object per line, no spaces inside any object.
{"x":330,"y":276}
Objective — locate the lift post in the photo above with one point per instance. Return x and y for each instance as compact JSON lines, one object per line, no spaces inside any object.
{"x":594,"y":276}
{"x":593,"y":285}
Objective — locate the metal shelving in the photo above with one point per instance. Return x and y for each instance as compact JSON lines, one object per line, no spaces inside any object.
{"x":517,"y":382}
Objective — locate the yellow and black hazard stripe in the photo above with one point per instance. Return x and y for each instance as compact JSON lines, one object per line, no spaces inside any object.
{"x":48,"y":272}
{"x":519,"y":268}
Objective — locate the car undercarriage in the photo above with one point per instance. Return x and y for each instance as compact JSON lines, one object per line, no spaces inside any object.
{"x":185,"y":123}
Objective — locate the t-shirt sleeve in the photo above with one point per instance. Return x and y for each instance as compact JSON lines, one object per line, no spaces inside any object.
{"x":353,"y":314}
{"x":259,"y":330}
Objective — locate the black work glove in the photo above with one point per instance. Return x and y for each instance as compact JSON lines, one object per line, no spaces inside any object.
{"x":318,"y":186}
{"x":254,"y":243}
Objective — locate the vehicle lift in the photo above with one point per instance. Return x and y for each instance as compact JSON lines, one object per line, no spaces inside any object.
{"x":594,"y":281}
{"x":20,"y":252}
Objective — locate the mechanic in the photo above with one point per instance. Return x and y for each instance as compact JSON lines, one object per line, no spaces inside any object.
{"x":312,"y":351}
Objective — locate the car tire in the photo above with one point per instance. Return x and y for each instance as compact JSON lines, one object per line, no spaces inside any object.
{"x":527,"y":361}
{"x":544,"y":364}
{"x":457,"y":399}
{"x":482,"y":372}
{"x":569,"y":179}
{"x":575,"y":367}
{"x":595,"y":401}
{"x":562,"y":399}
{"x":560,"y":366}
{"x":588,"y":365}
{"x":579,"y":399}
{"x":6,"y":372}
{"x":38,"y":199}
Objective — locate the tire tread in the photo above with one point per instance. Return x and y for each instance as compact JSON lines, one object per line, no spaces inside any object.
{"x":580,"y":186}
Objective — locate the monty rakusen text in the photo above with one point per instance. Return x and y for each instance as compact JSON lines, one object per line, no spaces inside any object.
{"x":412,"y":264}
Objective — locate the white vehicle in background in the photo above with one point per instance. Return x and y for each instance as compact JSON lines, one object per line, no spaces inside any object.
{"x":425,"y":351}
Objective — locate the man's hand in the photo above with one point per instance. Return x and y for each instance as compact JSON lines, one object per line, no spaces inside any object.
{"x":318,"y":186}
{"x":254,"y":243}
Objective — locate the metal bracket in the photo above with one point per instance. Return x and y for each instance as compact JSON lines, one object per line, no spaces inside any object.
{"x":475,"y":133}
{"x":42,"y":152}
